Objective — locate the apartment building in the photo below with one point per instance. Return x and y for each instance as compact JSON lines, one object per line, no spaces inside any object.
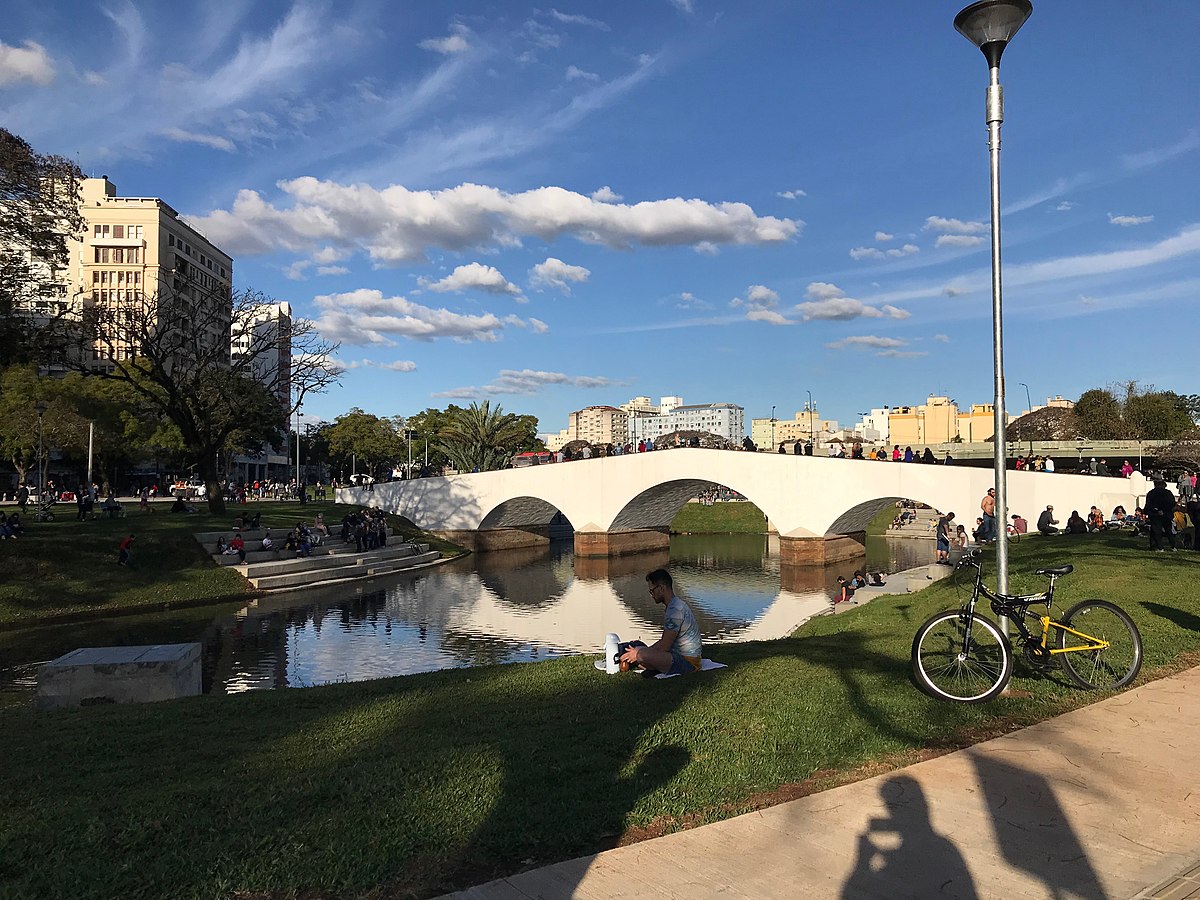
{"x":598,"y":425}
{"x":136,"y":248}
{"x":725,"y":419}
{"x":266,"y":337}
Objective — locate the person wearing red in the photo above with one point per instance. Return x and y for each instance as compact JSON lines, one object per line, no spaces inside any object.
{"x":125,"y":552}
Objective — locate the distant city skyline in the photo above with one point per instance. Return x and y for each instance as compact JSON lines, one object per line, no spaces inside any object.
{"x":560,"y":207}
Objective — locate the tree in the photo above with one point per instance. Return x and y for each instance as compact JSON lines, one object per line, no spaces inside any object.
{"x":39,"y":213}
{"x":372,"y":440}
{"x":173,"y":351}
{"x":482,"y":438}
{"x":428,"y":424}
{"x":1098,"y":415}
{"x":1157,"y":415}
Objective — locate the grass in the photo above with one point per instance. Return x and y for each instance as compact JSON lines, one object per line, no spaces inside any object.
{"x":741,"y":517}
{"x":66,"y":569}
{"x":416,"y":785}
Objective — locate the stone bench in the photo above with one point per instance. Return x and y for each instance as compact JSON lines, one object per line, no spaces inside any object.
{"x":94,"y":675}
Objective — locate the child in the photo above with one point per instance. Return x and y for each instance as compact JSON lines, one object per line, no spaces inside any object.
{"x":125,"y":552}
{"x":845,"y":591}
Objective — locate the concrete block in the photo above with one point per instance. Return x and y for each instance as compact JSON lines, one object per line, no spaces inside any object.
{"x":93,"y":675}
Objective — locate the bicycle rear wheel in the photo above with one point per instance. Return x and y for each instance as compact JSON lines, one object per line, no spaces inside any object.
{"x":948,"y":666}
{"x":1111,"y":668}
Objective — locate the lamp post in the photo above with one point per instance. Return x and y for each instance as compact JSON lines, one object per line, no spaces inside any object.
{"x":772,"y":429}
{"x":990,"y":25}
{"x":810,"y":417}
{"x":41,"y":406}
{"x":1029,"y":409}
{"x":299,"y":416}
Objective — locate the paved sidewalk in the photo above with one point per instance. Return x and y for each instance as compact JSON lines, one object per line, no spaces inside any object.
{"x":1101,"y":804}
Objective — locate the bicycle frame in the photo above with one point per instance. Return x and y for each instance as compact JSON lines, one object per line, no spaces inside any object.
{"x":1016,"y":608}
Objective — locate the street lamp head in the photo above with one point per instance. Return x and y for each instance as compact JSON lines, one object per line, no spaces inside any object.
{"x":991,"y":24}
{"x":41,"y":406}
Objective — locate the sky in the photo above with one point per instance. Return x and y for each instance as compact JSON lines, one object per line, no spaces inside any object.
{"x":552,"y":207}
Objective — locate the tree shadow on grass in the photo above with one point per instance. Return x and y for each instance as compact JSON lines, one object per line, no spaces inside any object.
{"x":1180,"y":617}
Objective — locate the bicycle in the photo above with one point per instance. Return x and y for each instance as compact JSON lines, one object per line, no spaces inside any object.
{"x":963,"y":656}
{"x":1010,"y":532}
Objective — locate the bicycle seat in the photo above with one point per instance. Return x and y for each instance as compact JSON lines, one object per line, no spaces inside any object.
{"x":1055,"y":570}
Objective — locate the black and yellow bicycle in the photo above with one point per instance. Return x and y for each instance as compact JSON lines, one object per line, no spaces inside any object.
{"x":963,"y":656}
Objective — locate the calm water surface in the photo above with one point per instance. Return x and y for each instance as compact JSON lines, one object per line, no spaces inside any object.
{"x":513,"y":606}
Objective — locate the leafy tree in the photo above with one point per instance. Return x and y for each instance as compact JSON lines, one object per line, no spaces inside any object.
{"x":428,"y":425}
{"x":173,"y":351}
{"x":1156,"y":415}
{"x":39,"y":213}
{"x":372,"y":440}
{"x":482,"y":438}
{"x":1098,"y":415}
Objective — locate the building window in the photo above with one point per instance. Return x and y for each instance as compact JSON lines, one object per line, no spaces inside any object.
{"x":119,"y":231}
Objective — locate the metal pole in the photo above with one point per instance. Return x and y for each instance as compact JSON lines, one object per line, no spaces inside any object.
{"x":408,"y":436}
{"x":772,"y":429}
{"x":995,"y":116}
{"x":41,"y":479}
{"x":810,"y":417}
{"x":297,"y":454}
{"x":91,"y":431}
{"x":1029,"y":409}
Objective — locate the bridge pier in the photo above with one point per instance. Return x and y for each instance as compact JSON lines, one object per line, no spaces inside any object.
{"x":484,"y":540}
{"x":618,"y":543}
{"x":821,"y":550}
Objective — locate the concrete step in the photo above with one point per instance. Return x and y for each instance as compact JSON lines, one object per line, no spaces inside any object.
{"x":331,"y":558}
{"x":360,"y":567}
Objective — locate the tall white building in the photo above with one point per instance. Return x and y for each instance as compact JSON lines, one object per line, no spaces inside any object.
{"x":724,"y":419}
{"x":598,"y":425}
{"x":266,"y":336}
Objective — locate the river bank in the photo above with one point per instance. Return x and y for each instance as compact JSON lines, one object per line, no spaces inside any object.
{"x":463,"y":775}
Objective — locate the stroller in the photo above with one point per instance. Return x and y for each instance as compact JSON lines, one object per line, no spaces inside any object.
{"x":45,"y":510}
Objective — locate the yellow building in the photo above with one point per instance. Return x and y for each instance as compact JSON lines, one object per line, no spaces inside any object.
{"x":599,"y":425}
{"x":136,"y":248}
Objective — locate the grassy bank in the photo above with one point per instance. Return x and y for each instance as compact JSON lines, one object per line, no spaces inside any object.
{"x":416,"y":785}
{"x":64,"y":569}
{"x":742,"y":517}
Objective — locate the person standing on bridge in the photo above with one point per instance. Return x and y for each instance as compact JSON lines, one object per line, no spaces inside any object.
{"x":679,"y":650}
{"x":988,"y":505}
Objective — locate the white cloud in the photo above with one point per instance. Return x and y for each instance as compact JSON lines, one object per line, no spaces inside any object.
{"x":30,"y":63}
{"x":366,"y":316}
{"x":575,"y":73}
{"x":957,"y":240}
{"x":791,"y":195}
{"x":688,"y":300}
{"x":554,"y":273}
{"x":829,"y":302}
{"x":95,"y":79}
{"x":399,"y":365}
{"x":296,"y":271}
{"x":395,"y":225}
{"x":866,"y":340}
{"x":1126,"y":221}
{"x":883,"y":236}
{"x":1186,"y":243}
{"x":538,"y":326}
{"x":451,"y":44}
{"x":687,"y":6}
{"x":606,"y":195}
{"x":769,"y":316}
{"x":1161,"y":154}
{"x":332,"y":270}
{"x":526,"y":382}
{"x":1064,"y":206}
{"x":571,"y":19}
{"x":906,"y":250}
{"x":942,"y":338}
{"x":953,"y":226}
{"x":473,"y":276}
{"x":866,"y":253}
{"x":902,"y":354}
{"x":192,"y":137}
{"x":760,"y":304}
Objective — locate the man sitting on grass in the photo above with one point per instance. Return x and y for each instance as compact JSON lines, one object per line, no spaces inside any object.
{"x":679,"y":649}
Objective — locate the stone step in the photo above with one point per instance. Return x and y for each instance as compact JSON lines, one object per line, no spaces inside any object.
{"x":332,"y":558}
{"x":253,"y":538}
{"x":361,"y":567}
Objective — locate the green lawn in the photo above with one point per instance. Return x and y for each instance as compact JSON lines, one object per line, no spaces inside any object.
{"x":742,"y":517}
{"x":411,"y":786}
{"x":68,"y":569}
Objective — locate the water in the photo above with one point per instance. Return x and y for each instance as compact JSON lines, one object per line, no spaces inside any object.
{"x":504,"y":607}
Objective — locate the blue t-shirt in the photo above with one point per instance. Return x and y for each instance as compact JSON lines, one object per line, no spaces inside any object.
{"x":678,"y":617}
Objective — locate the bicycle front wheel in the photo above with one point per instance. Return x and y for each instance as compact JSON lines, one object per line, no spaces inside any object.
{"x":951,"y":662}
{"x":1014,"y":536}
{"x":1110,"y":668}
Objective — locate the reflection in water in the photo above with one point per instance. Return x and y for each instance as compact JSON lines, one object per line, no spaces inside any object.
{"x":491,"y":608}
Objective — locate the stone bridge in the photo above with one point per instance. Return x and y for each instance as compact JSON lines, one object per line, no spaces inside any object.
{"x":820,"y":507}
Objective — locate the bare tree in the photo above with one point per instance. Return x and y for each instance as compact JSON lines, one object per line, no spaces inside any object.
{"x":174,"y":350}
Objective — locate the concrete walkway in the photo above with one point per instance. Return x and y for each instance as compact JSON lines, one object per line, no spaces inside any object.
{"x":1100,"y":804}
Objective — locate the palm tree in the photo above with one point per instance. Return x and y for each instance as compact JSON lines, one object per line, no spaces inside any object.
{"x":480,"y":438}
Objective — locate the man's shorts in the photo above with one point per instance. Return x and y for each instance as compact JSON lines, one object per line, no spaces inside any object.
{"x":682,"y":665}
{"x":943,"y":544}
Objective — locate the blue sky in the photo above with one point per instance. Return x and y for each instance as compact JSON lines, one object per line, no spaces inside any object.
{"x":557,"y":206}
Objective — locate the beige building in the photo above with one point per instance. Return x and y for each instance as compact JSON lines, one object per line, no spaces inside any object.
{"x":939,"y":421}
{"x":787,"y":431}
{"x":135,"y":248}
{"x":599,"y":425}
